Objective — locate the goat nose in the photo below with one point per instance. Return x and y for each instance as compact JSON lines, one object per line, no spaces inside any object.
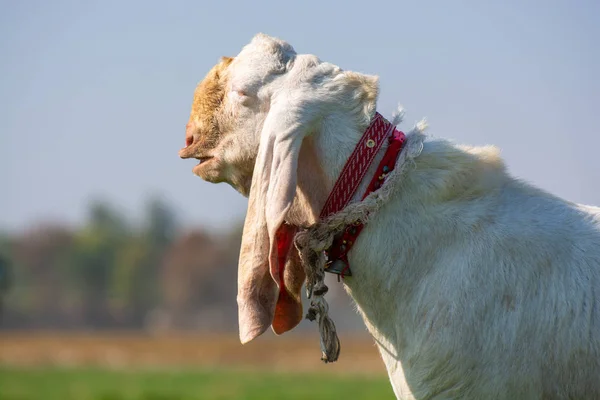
{"x":187,"y":151}
{"x":189,"y":140}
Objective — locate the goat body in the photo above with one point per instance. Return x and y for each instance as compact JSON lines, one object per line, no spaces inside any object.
{"x":473,"y":284}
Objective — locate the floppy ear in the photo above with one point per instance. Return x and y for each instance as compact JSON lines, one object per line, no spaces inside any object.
{"x":269,"y":280}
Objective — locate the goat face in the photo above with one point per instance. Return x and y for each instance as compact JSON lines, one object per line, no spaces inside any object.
{"x":228,"y":110}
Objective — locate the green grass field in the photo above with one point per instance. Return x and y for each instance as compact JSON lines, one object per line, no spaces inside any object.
{"x":101,"y":384}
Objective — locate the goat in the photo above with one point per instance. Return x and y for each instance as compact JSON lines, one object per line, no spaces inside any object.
{"x":473,"y":284}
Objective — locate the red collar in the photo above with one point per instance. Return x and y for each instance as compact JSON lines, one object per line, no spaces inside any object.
{"x":349,"y":180}
{"x":344,"y":189}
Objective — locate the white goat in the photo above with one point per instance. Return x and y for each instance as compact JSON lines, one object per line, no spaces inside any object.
{"x":473,"y":284}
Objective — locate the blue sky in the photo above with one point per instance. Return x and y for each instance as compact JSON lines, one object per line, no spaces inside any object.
{"x":95,"y":95}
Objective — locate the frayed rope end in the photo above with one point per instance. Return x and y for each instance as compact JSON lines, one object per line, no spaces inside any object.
{"x":330,"y":343}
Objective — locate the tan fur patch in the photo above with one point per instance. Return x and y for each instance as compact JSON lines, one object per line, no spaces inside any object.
{"x":208,"y":99}
{"x":366,"y":85}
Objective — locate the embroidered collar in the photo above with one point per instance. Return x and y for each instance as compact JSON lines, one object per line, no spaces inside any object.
{"x":349,"y":180}
{"x":345,"y":188}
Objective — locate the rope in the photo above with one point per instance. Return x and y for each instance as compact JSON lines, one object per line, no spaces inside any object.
{"x":314,"y":240}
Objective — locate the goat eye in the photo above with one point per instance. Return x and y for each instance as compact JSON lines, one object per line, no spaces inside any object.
{"x":240,"y":96}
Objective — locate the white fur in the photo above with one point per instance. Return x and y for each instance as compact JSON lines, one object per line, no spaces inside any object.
{"x":491,"y":294}
{"x":473,"y":284}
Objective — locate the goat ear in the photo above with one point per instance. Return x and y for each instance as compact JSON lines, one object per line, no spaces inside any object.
{"x":263,"y":298}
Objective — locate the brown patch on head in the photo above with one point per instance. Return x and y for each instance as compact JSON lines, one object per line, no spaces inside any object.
{"x":203,"y":131}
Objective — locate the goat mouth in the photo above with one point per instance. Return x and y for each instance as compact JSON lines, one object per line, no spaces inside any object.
{"x":202,"y":162}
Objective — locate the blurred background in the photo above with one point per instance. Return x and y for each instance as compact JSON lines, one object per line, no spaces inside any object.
{"x":118,"y":266}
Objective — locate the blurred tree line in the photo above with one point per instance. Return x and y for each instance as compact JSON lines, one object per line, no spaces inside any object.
{"x":112,"y":274}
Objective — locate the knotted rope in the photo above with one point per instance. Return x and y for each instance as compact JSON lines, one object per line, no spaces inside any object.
{"x":314,"y":240}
